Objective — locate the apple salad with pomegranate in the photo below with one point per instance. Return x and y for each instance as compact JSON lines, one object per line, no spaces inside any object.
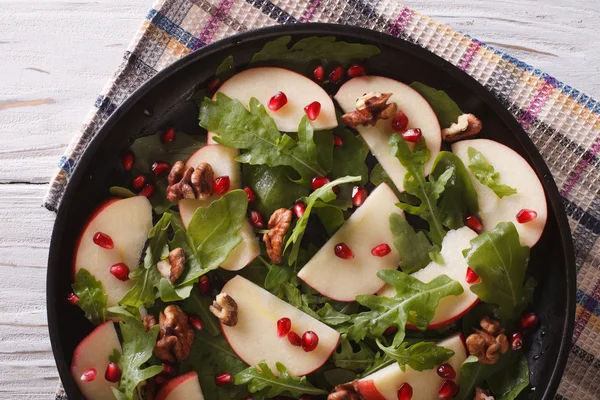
{"x":333,"y":234}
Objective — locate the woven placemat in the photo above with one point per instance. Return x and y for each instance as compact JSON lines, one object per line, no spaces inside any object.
{"x":563,"y":122}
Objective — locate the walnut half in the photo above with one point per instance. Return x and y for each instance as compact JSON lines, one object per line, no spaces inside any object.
{"x":482,"y":394}
{"x":225,"y":308}
{"x":190,"y":183}
{"x":466,"y":126}
{"x":488,"y":343}
{"x":279,"y":223}
{"x":346,"y":391}
{"x":172,"y":268}
{"x":370,"y":108}
{"x":175,"y":336}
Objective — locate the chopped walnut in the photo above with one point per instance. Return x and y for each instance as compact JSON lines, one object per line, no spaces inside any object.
{"x":466,"y":126}
{"x":370,"y":108}
{"x":346,"y":391}
{"x":175,"y":336}
{"x":172,"y":268}
{"x":487,"y":344}
{"x":191,"y":183}
{"x":149,"y":322}
{"x":482,"y":394}
{"x":279,"y":223}
{"x":225,"y":308}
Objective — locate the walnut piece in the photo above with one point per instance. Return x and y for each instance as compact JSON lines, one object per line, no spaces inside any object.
{"x":370,"y":108}
{"x":172,"y":268}
{"x":191,"y":183}
{"x":175,"y":336}
{"x":149,"y":322}
{"x":225,"y":308}
{"x":346,"y":391}
{"x":488,"y":343}
{"x":466,"y":126}
{"x":482,"y":394}
{"x":279,"y":223}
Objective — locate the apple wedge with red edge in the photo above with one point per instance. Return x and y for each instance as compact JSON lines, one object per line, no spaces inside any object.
{"x":344,"y":276}
{"x":184,"y":387}
{"x":263,"y":83}
{"x":515,"y":172}
{"x":255,"y":337}
{"x":385,"y":383}
{"x":115,"y":233}
{"x":222,"y":161}
{"x":91,"y":358}
{"x":410,"y":102}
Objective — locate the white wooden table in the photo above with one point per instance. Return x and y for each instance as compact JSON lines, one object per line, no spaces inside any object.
{"x":55,"y":56}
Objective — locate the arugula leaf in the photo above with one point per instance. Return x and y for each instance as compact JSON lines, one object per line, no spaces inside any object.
{"x":226,"y":69}
{"x":261,"y":378}
{"x":345,"y":356}
{"x":331,"y":216}
{"x":420,"y":356}
{"x":486,"y":174}
{"x":121,"y":192}
{"x":349,"y":159}
{"x":332,"y":317}
{"x":501,"y":262}
{"x":293,"y":295}
{"x":428,"y":191}
{"x":277,"y":276}
{"x":92,"y":299}
{"x":413,"y":246}
{"x":380,"y":361}
{"x":509,"y":382}
{"x":197,"y":304}
{"x":446,"y":110}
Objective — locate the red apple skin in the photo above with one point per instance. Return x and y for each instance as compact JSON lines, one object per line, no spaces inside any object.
{"x":173,"y":383}
{"x":369,"y":391}
{"x":447,"y":322}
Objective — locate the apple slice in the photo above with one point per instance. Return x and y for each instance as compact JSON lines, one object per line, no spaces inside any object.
{"x":254,"y":338}
{"x":515,"y":172}
{"x":93,"y":352}
{"x":384,"y":384}
{"x":410,"y":102}
{"x":184,"y":387}
{"x":127,"y":223}
{"x":450,"y":308}
{"x":264,"y":82}
{"x":343,"y":279}
{"x":222,"y":160}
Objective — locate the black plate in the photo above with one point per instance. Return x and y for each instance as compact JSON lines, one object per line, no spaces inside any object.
{"x":166,"y":97}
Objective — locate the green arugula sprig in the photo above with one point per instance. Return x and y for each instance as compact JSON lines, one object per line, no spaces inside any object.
{"x":420,"y":356}
{"x":92,"y":299}
{"x":486,"y":174}
{"x":446,"y":109}
{"x":261,"y":379}
{"x":346,"y":357}
{"x":414,"y":246}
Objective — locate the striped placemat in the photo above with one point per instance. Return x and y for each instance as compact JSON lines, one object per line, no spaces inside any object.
{"x":563,"y":122}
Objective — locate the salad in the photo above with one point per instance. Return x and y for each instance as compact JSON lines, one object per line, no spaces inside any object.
{"x":333,"y":234}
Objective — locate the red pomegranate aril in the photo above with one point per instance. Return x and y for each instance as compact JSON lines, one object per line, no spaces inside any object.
{"x":277,"y":101}
{"x":222,"y":185}
{"x":310,"y":340}
{"x":169,"y":369}
{"x":88,"y":375}
{"x":103,"y":240}
{"x":284,"y":326}
{"x":529,"y":321}
{"x":381,"y":250}
{"x":168,"y":136}
{"x":213,"y":86}
{"x":148,"y":190}
{"x":138,"y":182}
{"x":343,"y":251}
{"x":516,"y":341}
{"x":405,"y":392}
{"x":471,"y":276}
{"x":127,"y":160}
{"x":359,"y":195}
{"x":223,"y":379}
{"x":524,"y":216}
{"x":160,"y":380}
{"x":390,"y":331}
{"x":448,"y":390}
{"x":294,"y":339}
{"x":257,"y":220}
{"x":399,"y":122}
{"x":446,"y":371}
{"x":72,"y":298}
{"x":113,"y":372}
{"x":412,"y":135}
{"x":356,"y":70}
{"x":313,"y":110}
{"x":120,"y":271}
{"x":250,"y":194}
{"x":473,"y":222}
{"x":160,"y":168}
{"x":338,"y":141}
{"x":337,"y":75}
{"x":204,"y":285}
{"x":319,"y":181}
{"x":319,"y":73}
{"x":196,"y":323}
{"x":298,"y":209}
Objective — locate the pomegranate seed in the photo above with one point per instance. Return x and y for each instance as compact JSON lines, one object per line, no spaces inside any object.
{"x":412,"y":135}
{"x":72,"y":298}
{"x":257,"y":220}
{"x":213,"y":86}
{"x":120,"y":271}
{"x":319,"y":73}
{"x":343,"y":251}
{"x":448,"y":390}
{"x":127,"y":160}
{"x":284,"y":326}
{"x":335,"y":190}
{"x":223,"y":379}
{"x":138,"y":182}
{"x":399,"y":122}
{"x":446,"y":371}
{"x":524,"y":216}
{"x":168,"y":136}
{"x":337,"y":75}
{"x":277,"y":101}
{"x":390,"y":331}
{"x":299,"y":208}
{"x":359,"y":195}
{"x":338,"y":141}
{"x":148,"y":190}
{"x":381,"y":250}
{"x":204,"y":285}
{"x":103,"y":240}
{"x":169,"y":369}
{"x":516,"y":341}
{"x":473,"y":222}
{"x":160,"y":380}
{"x":471,"y":276}
{"x":529,"y":321}
{"x":294,"y":339}
{"x":88,"y":375}
{"x":113,"y":372}
{"x":313,"y":110}
{"x":250,"y":194}
{"x":405,"y":392}
{"x":160,"y":168}
{"x":310,"y":340}
{"x":196,"y":323}
{"x":357,"y":70}
{"x":222,"y":185}
{"x":319,"y":181}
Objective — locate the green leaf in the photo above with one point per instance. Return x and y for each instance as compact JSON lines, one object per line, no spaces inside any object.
{"x":446,"y":110}
{"x":436,"y":256}
{"x":501,"y":262}
{"x":509,"y":382}
{"x":420,"y":356}
{"x":379,"y":362}
{"x":121,"y":192}
{"x":346,"y":357}
{"x":261,"y":378}
{"x":486,"y":174}
{"x":92,"y":299}
{"x":226,"y":69}
{"x":331,"y":217}
{"x":197,"y":304}
{"x":459,"y":199}
{"x":331,"y":316}
{"x":295,"y":297}
{"x":277,"y":276}
{"x":414,"y":247}
{"x":349,"y":159}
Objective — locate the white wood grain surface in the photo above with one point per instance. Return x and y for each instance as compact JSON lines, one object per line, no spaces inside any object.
{"x":55,"y":56}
